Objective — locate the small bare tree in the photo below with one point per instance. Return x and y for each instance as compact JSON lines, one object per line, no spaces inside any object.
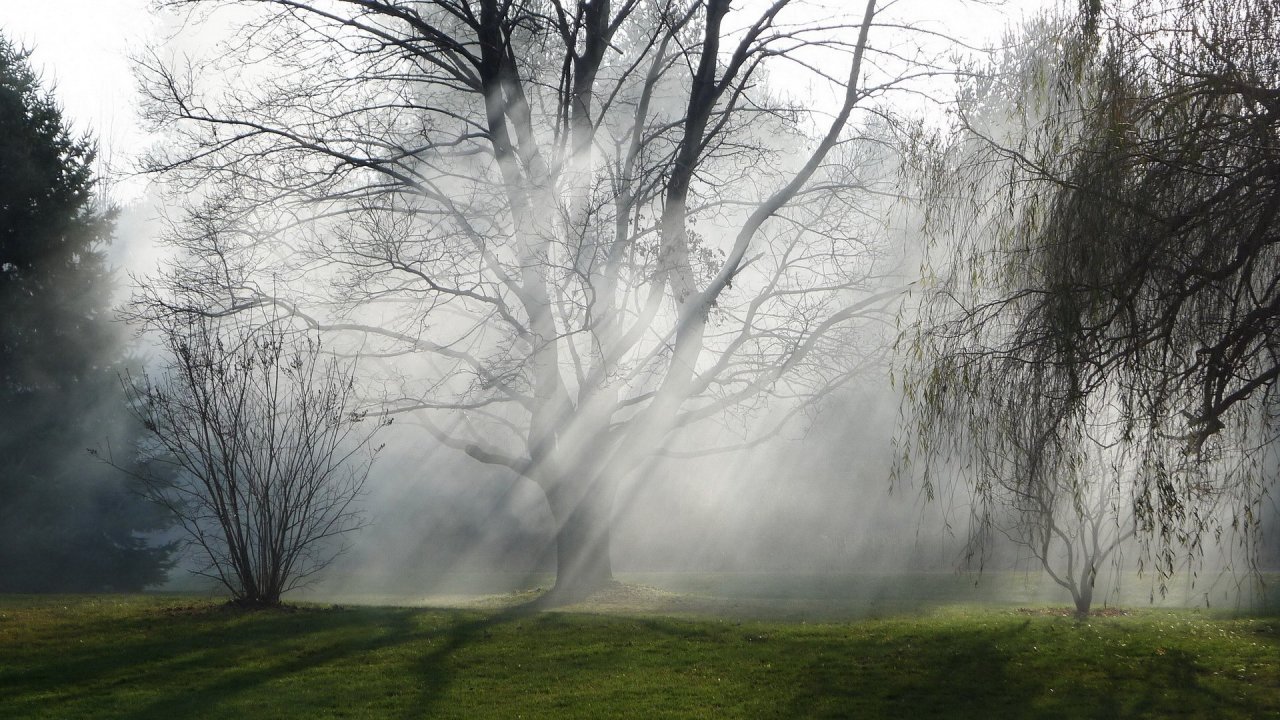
{"x":1075,"y":531}
{"x":269,"y":452}
{"x":1048,"y":485}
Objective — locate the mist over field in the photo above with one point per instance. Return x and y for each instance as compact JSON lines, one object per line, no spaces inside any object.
{"x":812,"y":499}
{"x":811,"y":516}
{"x":805,"y":501}
{"x":547,"y":339}
{"x":639,"y":358}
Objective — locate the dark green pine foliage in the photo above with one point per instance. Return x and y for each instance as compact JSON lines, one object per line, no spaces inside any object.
{"x":68,"y":521}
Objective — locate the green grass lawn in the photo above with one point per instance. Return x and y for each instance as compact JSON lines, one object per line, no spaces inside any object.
{"x":173,"y":657}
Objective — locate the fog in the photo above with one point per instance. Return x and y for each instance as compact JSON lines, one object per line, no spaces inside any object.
{"x":800,"y":506}
{"x":809,"y":521}
{"x":808,"y":514}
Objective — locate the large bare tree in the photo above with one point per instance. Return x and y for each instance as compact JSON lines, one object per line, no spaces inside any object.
{"x":570,"y":230}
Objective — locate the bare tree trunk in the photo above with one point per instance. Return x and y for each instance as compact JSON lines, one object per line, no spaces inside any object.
{"x":583,"y":512}
{"x":1084,"y":599}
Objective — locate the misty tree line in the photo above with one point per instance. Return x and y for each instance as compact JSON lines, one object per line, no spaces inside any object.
{"x":561,"y":237}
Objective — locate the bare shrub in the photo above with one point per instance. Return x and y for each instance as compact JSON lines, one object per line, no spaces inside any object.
{"x":270,"y":454}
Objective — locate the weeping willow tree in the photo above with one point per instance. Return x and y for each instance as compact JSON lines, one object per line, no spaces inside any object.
{"x":1104,"y":280}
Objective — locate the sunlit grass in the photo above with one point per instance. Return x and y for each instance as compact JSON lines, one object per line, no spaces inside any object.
{"x":166,"y":657}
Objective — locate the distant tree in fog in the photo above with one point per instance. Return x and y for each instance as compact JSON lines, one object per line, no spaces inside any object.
{"x":267,"y":452}
{"x":1050,"y":485}
{"x":67,"y":522}
{"x":573,"y":230}
{"x":1113,"y":267}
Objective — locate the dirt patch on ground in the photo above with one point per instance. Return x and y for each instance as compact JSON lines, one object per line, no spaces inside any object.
{"x":1070,"y":612}
{"x":203,"y":608}
{"x":771,"y":604}
{"x":627,"y":597}
{"x":630,"y":598}
{"x":618,"y":598}
{"x":231,"y":607}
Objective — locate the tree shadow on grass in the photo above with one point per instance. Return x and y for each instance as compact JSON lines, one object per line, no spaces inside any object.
{"x":399,"y":662}
{"x":988,"y":673}
{"x":433,"y":667}
{"x":961,"y":674}
{"x":167,"y":665}
{"x":396,"y":630}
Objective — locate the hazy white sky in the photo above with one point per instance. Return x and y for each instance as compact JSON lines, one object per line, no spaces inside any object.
{"x":80,"y":48}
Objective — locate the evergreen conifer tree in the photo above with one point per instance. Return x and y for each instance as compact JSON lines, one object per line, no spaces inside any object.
{"x":68,"y":522}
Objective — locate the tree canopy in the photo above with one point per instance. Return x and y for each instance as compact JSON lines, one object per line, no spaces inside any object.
{"x":570,"y":231}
